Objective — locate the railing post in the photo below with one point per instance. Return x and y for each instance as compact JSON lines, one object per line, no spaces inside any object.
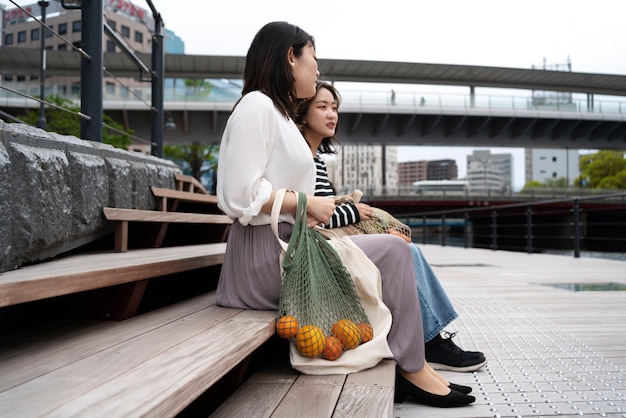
{"x":576,"y":228}
{"x":494,"y":230}
{"x":529,"y":229}
{"x":443,"y":229}
{"x":466,"y":229}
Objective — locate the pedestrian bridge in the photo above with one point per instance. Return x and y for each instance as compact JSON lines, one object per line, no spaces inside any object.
{"x":567,"y":110}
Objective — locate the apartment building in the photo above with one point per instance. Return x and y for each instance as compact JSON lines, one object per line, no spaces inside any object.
{"x":132,"y":24}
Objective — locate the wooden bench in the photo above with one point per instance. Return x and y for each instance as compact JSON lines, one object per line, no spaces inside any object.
{"x":128,"y":272}
{"x":178,"y":196}
{"x":278,"y":391}
{"x":154,"y":364}
{"x":189,"y":184}
{"x":124,"y":216}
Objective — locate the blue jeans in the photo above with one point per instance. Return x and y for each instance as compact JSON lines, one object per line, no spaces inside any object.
{"x":437,"y":310}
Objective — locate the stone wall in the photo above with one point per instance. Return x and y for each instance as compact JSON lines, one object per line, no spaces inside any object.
{"x":53,"y":189}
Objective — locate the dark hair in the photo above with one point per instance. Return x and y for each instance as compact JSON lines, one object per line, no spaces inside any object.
{"x":267,"y":68}
{"x":328,"y":145}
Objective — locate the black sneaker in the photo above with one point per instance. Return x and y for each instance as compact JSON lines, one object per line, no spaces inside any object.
{"x":444,"y":354}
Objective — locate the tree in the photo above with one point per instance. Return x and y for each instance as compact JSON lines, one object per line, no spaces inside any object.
{"x":195,"y":159}
{"x":603,"y":170}
{"x":198,"y":87}
{"x":68,"y":123}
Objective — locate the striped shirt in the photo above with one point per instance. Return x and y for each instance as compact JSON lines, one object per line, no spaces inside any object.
{"x":345,"y":214}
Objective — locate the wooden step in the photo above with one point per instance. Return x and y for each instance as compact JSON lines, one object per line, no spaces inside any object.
{"x":124,"y":216}
{"x":278,"y":391}
{"x":154,"y":364}
{"x":83,"y":272}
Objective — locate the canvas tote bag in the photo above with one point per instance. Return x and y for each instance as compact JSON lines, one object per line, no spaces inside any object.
{"x":367,"y":281}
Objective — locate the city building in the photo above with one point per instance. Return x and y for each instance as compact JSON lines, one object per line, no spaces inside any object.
{"x":489,"y":173}
{"x":132,"y":25}
{"x":411,"y":171}
{"x":371,"y":168}
{"x":547,"y":164}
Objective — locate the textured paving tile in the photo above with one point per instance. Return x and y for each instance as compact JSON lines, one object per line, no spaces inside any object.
{"x":537,"y":367}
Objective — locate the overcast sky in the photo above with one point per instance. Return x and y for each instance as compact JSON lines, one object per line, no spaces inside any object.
{"x":498,"y":33}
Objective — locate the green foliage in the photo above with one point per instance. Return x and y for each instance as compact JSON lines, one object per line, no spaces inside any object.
{"x":68,"y":123}
{"x":196,"y":159}
{"x":560,"y":183}
{"x":198,"y":87}
{"x":603,"y":170}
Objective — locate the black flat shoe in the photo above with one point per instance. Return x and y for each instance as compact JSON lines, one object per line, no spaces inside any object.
{"x":460,"y":388}
{"x":453,"y":399}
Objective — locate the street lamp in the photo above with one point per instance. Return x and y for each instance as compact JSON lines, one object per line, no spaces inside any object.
{"x":42,"y":73}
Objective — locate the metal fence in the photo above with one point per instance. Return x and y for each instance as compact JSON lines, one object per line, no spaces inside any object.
{"x":573,"y":224}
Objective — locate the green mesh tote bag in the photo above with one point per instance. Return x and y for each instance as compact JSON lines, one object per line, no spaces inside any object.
{"x":331,"y":304}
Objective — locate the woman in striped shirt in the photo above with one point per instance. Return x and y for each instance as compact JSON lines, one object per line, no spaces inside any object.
{"x":318,"y":119}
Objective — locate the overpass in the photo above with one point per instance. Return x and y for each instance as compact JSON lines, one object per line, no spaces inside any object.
{"x":375,"y":117}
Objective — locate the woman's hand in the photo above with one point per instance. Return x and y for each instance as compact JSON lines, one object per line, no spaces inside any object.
{"x":365,"y":211}
{"x":319,"y":210}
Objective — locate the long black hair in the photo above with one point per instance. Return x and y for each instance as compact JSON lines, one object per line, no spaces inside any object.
{"x":267,"y":68}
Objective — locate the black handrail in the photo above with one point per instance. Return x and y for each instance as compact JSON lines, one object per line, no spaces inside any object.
{"x":532,"y":211}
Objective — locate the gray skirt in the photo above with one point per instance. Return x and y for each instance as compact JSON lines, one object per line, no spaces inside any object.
{"x":250,"y":279}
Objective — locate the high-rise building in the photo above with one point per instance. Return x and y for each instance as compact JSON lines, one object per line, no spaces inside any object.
{"x":411,"y":171}
{"x":546,"y":164}
{"x":489,"y":173}
{"x":371,"y":168}
{"x":442,"y":170}
{"x":132,"y":24}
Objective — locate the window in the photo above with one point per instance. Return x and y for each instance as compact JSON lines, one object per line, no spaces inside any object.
{"x":125,"y":31}
{"x":8,"y":78}
{"x":49,"y":32}
{"x":34,"y":34}
{"x":62,"y":28}
{"x":77,"y":44}
{"x":62,"y":47}
{"x":21,"y":37}
{"x":138,"y":37}
{"x":75,"y":89}
{"x":49,"y":47}
{"x":21,"y":78}
{"x":110,"y":46}
{"x":8,"y":39}
{"x":61,"y":89}
{"x":110,"y":88}
{"x":76,"y":26}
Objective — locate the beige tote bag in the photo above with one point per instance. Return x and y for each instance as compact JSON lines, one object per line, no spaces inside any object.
{"x":367,"y":281}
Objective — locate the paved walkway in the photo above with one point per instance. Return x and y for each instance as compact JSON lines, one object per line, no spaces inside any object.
{"x":551,"y":351}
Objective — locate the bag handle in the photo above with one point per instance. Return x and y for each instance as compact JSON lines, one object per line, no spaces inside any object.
{"x":279,"y":197}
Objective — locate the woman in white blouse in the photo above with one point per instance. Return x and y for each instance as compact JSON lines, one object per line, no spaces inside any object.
{"x":262,"y":151}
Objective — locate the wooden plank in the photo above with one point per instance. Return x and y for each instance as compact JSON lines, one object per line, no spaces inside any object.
{"x":261,"y":393}
{"x":96,"y":270}
{"x":368,"y":393}
{"x":193,"y":185}
{"x":29,"y":356}
{"x":311,"y":397}
{"x":184,"y":196}
{"x":138,"y":215}
{"x":154,"y":374}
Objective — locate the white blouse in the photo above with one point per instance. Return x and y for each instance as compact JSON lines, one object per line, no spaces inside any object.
{"x":261,"y":150}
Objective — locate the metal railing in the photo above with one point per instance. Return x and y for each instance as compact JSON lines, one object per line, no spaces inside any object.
{"x":361,"y":99}
{"x":589,"y":223}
